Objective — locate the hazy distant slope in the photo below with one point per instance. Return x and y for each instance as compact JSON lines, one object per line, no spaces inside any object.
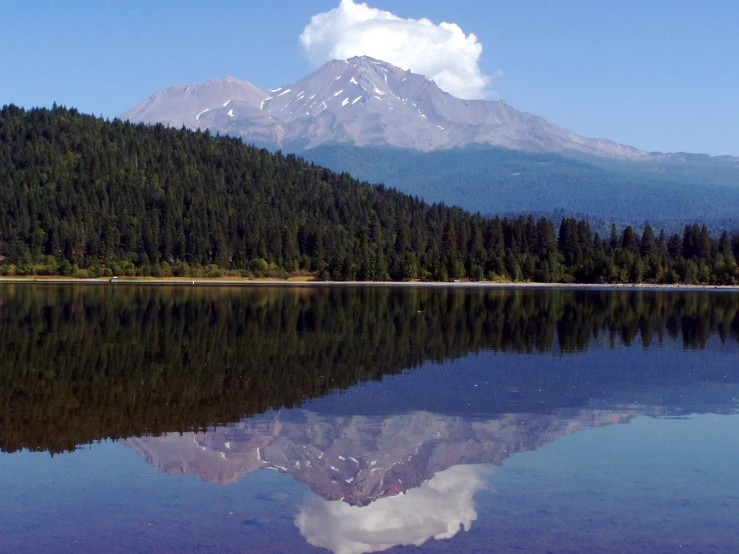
{"x":691,"y":169}
{"x":497,"y":180}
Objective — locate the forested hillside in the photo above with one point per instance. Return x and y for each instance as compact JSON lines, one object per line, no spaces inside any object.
{"x":87,"y":197}
{"x":498,"y":180}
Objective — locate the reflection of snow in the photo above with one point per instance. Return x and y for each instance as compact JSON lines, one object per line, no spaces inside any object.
{"x":437,"y":509}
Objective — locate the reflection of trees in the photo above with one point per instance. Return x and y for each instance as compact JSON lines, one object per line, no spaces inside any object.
{"x":86,"y":363}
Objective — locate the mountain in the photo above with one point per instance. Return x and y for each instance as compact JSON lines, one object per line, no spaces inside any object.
{"x":186,"y":105}
{"x":383,"y":124}
{"x":364,"y":102}
{"x":494,"y":180}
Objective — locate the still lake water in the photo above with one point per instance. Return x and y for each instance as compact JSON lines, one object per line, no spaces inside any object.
{"x":176,"y":419}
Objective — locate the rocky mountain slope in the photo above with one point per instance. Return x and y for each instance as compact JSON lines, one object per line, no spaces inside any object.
{"x":364,"y":102}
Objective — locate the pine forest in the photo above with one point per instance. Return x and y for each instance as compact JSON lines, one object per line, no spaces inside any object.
{"x":85,"y":197}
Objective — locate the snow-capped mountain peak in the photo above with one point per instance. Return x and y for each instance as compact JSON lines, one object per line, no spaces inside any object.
{"x":365,"y":102}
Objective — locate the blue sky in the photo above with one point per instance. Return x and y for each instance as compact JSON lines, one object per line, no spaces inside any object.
{"x":657,"y":74}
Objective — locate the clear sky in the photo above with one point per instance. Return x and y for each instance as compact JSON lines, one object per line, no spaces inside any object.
{"x":656,"y":74}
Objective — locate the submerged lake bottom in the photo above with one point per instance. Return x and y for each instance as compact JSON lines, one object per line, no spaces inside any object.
{"x":166,"y":419}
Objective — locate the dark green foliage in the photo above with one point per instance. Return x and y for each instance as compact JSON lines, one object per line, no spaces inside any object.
{"x":84,"y":363}
{"x":83,"y":197}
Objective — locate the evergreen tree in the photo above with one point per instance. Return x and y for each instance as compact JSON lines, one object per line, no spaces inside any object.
{"x":84,"y":197}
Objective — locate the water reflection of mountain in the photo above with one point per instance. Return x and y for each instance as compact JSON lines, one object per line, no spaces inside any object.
{"x":80,"y":364}
{"x":359,"y":459}
{"x":396,"y":479}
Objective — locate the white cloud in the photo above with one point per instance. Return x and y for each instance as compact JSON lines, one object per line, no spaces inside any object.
{"x":440,"y":52}
{"x":438,"y":508}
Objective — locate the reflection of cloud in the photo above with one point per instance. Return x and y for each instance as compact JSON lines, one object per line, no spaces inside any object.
{"x":435,"y":509}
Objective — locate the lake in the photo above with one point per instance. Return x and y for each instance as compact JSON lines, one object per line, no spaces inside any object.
{"x":361,"y":419}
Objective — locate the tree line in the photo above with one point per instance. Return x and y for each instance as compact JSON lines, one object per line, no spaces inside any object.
{"x":86,"y":197}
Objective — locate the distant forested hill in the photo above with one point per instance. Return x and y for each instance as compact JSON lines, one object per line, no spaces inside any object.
{"x":498,"y":180}
{"x":87,"y":197}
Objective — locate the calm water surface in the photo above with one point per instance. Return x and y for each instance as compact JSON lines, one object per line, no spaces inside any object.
{"x":154,"y":419}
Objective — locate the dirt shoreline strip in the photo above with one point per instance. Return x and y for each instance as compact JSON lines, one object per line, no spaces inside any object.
{"x":404,"y":284}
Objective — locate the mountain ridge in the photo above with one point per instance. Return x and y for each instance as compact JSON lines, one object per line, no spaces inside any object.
{"x":364,"y":102}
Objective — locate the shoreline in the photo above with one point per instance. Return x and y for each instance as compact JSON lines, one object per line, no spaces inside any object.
{"x":231,"y":282}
